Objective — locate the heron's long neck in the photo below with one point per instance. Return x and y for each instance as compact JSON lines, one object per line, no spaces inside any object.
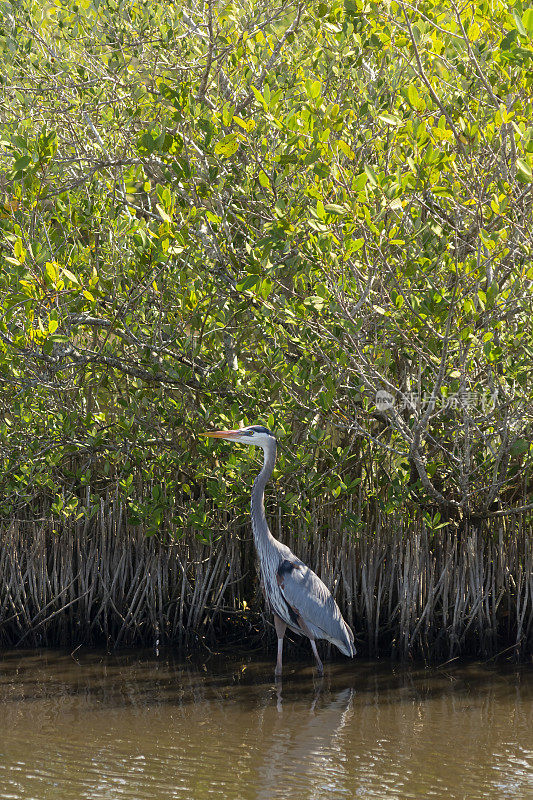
{"x":262,"y":535}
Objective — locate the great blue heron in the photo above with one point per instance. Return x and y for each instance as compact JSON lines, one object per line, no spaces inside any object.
{"x":297,"y":597}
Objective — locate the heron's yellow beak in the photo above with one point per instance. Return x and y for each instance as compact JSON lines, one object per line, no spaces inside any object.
{"x":221,"y":434}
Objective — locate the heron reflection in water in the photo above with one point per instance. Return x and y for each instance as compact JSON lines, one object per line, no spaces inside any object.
{"x":304,"y":742}
{"x":294,"y":593}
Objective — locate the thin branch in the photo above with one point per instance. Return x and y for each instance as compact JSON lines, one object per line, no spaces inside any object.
{"x":275,"y":53}
{"x":210,"y":50}
{"x":427,"y":82}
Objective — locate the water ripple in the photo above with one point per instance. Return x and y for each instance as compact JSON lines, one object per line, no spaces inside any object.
{"x":130,"y":727}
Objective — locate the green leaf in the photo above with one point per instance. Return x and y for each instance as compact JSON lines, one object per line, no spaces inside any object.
{"x":146,"y":142}
{"x":509,"y":40}
{"x":527,"y":21}
{"x":519,"y":24}
{"x":414,"y":98}
{"x":316,"y":302}
{"x":390,"y":119}
{"x":474,"y":32}
{"x":360,"y":181}
{"x":21,"y":163}
{"x":52,"y":271}
{"x":346,"y":149}
{"x":70,"y":275}
{"x":519,"y":447}
{"x":250,"y":282}
{"x":259,"y":97}
{"x":19,"y":250}
{"x":371,"y":175}
{"x":524,"y":169}
{"x":333,"y":208}
{"x":412,"y":95}
{"x":314,"y":90}
{"x":265,"y":289}
{"x":162,"y":213}
{"x":227,"y":114}
{"x":311,"y":157}
{"x":227,"y":146}
{"x":47,"y":145}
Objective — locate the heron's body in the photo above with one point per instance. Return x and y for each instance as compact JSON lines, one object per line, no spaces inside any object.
{"x":296,"y":596}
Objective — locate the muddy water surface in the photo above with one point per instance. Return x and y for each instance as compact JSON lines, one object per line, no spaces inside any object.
{"x":132,"y":727}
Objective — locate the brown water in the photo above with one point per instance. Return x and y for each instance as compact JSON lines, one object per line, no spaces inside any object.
{"x":91,"y":726}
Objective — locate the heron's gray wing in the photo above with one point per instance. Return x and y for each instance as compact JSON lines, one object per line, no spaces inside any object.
{"x":312,"y":603}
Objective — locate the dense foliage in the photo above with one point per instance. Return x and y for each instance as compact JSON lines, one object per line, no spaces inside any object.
{"x":312,"y":215}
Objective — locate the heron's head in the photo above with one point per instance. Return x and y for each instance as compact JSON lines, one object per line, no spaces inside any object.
{"x":255,"y":434}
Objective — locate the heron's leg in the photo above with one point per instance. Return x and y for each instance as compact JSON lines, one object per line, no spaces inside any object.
{"x":319,"y":664}
{"x":280,"y":630}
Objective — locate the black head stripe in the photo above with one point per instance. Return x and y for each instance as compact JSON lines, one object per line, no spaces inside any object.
{"x":261,"y":429}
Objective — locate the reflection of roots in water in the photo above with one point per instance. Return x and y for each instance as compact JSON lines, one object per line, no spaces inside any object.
{"x":131,"y":727}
